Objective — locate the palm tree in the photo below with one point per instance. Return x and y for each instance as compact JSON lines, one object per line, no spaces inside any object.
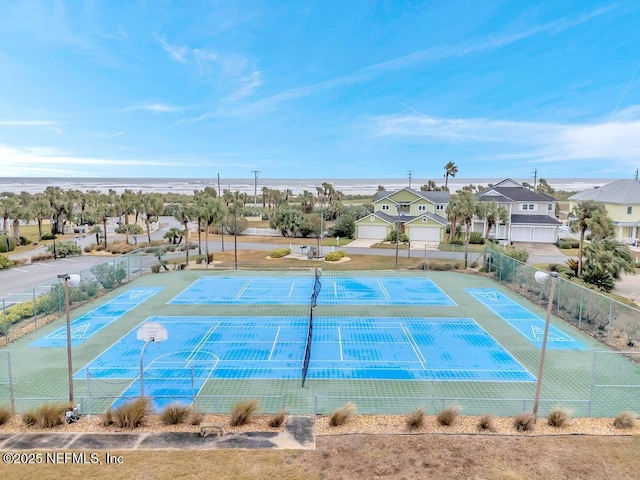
{"x":183,"y":214}
{"x":491,"y":213}
{"x":453,"y":214}
{"x":307,"y":201}
{"x":450,"y":170}
{"x":7,"y":205}
{"x":101,"y":211}
{"x":210,"y":212}
{"x":265,"y":195}
{"x":151,"y":207}
{"x":605,"y":260}
{"x":466,"y":211}
{"x":589,"y":215}
{"x":41,"y":210}
{"x":126,"y":205}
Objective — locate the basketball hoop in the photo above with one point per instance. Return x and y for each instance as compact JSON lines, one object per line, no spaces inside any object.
{"x":149,"y":332}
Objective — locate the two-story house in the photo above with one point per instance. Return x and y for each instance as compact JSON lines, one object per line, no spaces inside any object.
{"x":531,"y":214}
{"x":421,"y":215}
{"x":621,"y":199}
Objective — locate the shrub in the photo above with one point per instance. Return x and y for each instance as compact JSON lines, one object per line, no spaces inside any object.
{"x":48,"y":236}
{"x":415,"y":419}
{"x":568,"y":243}
{"x":107,"y":418}
{"x":109,"y":276}
{"x":131,"y":414}
{"x":7,"y":243}
{"x":559,"y":417}
{"x":524,"y":422}
{"x":391,"y":237}
{"x":199,"y":259}
{"x":334,"y":256}
{"x":486,"y":423}
{"x":25,"y":241}
{"x":341,"y":415}
{"x":46,"y":416}
{"x":133,"y":228}
{"x":40,"y":257}
{"x":5,"y":415}
{"x":625,"y":420}
{"x":243,"y":411}
{"x":476,"y":238}
{"x":448,"y":416}
{"x":5,"y":262}
{"x":195,"y":418}
{"x":64,"y":249}
{"x":174,"y":414}
{"x":280,"y":252}
{"x":277,"y":419}
{"x":155,"y":268}
{"x":210,"y":257}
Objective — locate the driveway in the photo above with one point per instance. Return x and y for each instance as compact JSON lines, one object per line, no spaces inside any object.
{"x":363,"y":243}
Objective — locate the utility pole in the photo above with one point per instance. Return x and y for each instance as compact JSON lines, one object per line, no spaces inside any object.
{"x":222,"y":222}
{"x":535,"y":178}
{"x":410,"y":175}
{"x":255,"y":187}
{"x":636,"y":178}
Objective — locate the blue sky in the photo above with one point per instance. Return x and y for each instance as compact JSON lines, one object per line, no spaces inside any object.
{"x":320,"y":89}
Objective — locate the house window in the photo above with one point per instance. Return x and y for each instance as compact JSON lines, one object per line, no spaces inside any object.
{"x":629,"y":210}
{"x":549,"y":207}
{"x":422,"y":208}
{"x":439,"y":207}
{"x":372,"y":218}
{"x":528,"y":206}
{"x":385,"y":207}
{"x":425,"y":219}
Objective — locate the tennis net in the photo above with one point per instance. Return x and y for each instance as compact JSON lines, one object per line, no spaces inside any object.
{"x":317,"y":285}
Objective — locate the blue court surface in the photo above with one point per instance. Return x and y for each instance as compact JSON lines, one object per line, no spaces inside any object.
{"x":297,"y":290}
{"x":273,"y":348}
{"x":90,"y":323}
{"x":527,"y":323}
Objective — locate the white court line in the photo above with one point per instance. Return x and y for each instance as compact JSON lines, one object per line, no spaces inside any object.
{"x":293,"y":284}
{"x":45,"y":265}
{"x":275,"y":340}
{"x":384,"y":290}
{"x":19,"y":270}
{"x":200,"y":344}
{"x":69,"y":260}
{"x":244,"y":287}
{"x":406,"y":332}
{"x":340,"y":343}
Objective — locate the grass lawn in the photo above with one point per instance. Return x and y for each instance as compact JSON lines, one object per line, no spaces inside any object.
{"x":447,"y":247}
{"x":31,"y":233}
{"x":570,"y":252}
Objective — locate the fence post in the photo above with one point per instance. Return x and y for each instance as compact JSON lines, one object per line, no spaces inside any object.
{"x":89,"y":406}
{"x":609,"y":325}
{"x":315,"y":405}
{"x":193,"y":391}
{"x":593,"y":381}
{"x":4,"y":320}
{"x":35,"y":319}
{"x":11,"y":396}
{"x":580,"y":308}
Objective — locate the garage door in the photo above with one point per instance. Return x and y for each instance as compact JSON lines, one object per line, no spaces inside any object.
{"x":533,"y":233}
{"x":370,"y":231}
{"x":424,"y":234}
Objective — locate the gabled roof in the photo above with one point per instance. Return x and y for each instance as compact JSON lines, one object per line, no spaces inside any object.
{"x":382,"y":216}
{"x":431,"y":196}
{"x":430,"y":216}
{"x":534,"y":219}
{"x":510,"y":191}
{"x":625,"y":192}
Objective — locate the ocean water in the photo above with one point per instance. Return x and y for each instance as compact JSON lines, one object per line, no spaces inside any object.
{"x":246,"y":185}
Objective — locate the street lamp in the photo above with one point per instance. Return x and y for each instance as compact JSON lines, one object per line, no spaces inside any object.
{"x":542,"y":278}
{"x":397,"y":232}
{"x":69,"y":281}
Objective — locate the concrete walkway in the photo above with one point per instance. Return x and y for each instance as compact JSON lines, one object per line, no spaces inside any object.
{"x":298,"y":434}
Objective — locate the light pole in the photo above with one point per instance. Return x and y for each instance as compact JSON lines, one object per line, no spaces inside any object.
{"x":255,"y":187}
{"x":69,"y":281}
{"x":235,"y":236}
{"x":541,"y":278}
{"x":397,"y":232}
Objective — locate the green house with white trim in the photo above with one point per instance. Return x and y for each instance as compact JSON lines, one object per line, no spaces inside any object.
{"x":421,"y":215}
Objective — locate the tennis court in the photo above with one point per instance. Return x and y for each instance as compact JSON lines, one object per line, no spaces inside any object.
{"x":202,"y":348}
{"x":296,"y":291}
{"x":385,"y":340}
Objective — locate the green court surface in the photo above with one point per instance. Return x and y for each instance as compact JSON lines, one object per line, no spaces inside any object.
{"x":590,"y":380}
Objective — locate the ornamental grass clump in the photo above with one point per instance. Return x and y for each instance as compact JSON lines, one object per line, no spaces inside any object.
{"x":243,"y":411}
{"x":342,"y":415}
{"x":415,"y":420}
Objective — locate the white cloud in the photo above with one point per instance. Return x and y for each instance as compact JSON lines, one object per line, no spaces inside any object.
{"x":179,"y":54}
{"x":27,"y":123}
{"x":154,"y":107}
{"x":247,"y":85}
{"x":606,"y":140}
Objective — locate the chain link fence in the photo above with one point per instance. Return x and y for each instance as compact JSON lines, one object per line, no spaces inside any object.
{"x":27,"y":310}
{"x":611,"y":322}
